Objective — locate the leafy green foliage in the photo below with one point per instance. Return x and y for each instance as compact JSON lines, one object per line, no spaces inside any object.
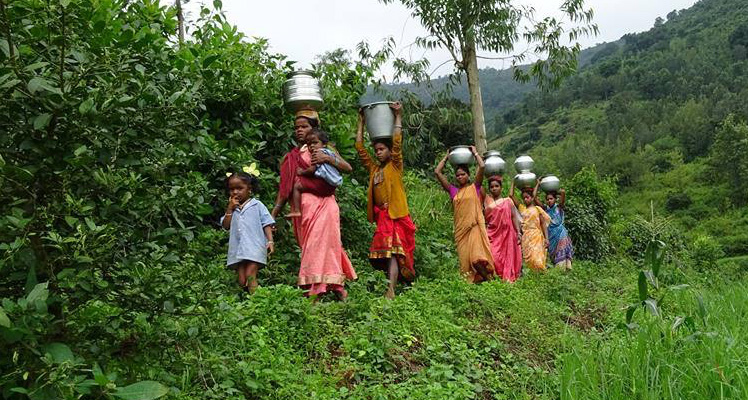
{"x":728,"y":157}
{"x":589,"y":214}
{"x":113,"y":174}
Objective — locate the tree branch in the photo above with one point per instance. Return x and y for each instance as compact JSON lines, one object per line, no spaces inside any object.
{"x":180,"y":20}
{"x":6,"y":25}
{"x":62,"y":52}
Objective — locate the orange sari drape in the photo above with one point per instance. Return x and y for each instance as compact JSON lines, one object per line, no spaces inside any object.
{"x":471,"y":239}
{"x":533,"y":244}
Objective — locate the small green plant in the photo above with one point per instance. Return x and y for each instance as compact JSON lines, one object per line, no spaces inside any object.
{"x":651,"y":292}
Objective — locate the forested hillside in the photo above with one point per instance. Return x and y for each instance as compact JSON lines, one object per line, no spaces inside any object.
{"x":663,"y":111}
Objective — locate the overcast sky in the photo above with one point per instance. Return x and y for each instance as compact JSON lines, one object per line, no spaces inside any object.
{"x":304,"y":29}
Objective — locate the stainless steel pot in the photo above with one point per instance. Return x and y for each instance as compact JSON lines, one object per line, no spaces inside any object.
{"x":461,"y":155}
{"x":523,"y":163}
{"x":302,"y":91}
{"x":380,"y":120}
{"x":495,"y":165}
{"x":525,"y":179}
{"x":550,"y":183}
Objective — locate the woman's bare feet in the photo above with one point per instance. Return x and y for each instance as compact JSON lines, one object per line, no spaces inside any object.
{"x":481,"y":269}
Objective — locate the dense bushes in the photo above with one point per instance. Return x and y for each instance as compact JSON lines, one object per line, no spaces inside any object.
{"x":590,"y":211}
{"x":117,"y":141}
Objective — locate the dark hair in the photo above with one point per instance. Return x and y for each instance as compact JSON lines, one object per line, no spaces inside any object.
{"x":250,"y":180}
{"x":385,"y":141}
{"x":554,"y":194}
{"x":463,"y":167}
{"x":321,"y":135}
{"x":314,"y":122}
{"x":527,"y":190}
{"x":495,"y":178}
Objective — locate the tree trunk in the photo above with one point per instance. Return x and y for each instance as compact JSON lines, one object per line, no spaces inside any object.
{"x":476,"y":99}
{"x":180,"y":20}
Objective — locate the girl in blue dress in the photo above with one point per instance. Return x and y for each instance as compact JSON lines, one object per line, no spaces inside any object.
{"x":250,"y":229}
{"x":560,"y":246}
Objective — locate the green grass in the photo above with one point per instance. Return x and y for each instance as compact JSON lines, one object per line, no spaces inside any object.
{"x":707,"y":361}
{"x":548,"y":335}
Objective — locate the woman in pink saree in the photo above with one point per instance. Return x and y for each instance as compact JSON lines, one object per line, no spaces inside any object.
{"x":503,"y":227}
{"x":325,"y":266}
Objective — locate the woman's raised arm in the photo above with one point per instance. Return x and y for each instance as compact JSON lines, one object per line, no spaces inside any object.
{"x":439,"y":175}
{"x":562,"y":199}
{"x":481,"y":166}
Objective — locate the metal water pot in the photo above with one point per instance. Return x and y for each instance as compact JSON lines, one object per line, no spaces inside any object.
{"x":461,"y":155}
{"x":302,"y":91}
{"x":525,"y":179}
{"x":524,"y":163}
{"x":380,"y":120}
{"x":495,"y":165}
{"x":550,"y":183}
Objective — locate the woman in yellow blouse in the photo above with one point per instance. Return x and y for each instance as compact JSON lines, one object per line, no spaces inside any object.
{"x":393,"y":244}
{"x":534,"y":228}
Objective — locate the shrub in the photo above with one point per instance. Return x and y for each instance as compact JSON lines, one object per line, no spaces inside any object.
{"x":706,"y":251}
{"x":589,"y":213}
{"x":677,"y":201}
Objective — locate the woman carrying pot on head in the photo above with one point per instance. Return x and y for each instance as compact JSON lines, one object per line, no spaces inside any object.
{"x":559,"y":242}
{"x":393,"y":244}
{"x":504,"y":232}
{"x":471,"y":240}
{"x":304,"y":122}
{"x":325,"y":266}
{"x":534,"y":228}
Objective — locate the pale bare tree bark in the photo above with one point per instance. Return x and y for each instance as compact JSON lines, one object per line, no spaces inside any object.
{"x":470,"y":61}
{"x":180,"y":20}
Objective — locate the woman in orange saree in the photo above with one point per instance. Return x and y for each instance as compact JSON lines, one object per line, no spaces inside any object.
{"x":503,"y":227}
{"x":471,"y":240}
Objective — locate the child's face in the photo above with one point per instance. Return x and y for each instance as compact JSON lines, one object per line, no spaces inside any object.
{"x":550,"y":200}
{"x":239,"y":189}
{"x":382,"y":152}
{"x":527,"y":197}
{"x":313,"y":142}
{"x":495,"y":188}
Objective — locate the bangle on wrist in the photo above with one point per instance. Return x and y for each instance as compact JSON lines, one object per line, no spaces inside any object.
{"x":228,"y":214}
{"x":271,"y":242}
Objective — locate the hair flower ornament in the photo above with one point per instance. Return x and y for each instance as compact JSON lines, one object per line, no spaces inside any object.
{"x":251,"y":169}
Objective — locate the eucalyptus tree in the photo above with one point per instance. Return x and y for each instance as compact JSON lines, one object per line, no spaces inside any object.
{"x":465,"y":27}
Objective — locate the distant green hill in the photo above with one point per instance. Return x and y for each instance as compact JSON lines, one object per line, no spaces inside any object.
{"x":499,"y":89}
{"x":678,"y":80}
{"x":652,"y":111}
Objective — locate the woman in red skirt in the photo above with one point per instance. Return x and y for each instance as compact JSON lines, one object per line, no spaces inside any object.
{"x":393,"y":244}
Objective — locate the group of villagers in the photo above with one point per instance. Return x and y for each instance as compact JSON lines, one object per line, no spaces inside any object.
{"x":493,"y":234}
